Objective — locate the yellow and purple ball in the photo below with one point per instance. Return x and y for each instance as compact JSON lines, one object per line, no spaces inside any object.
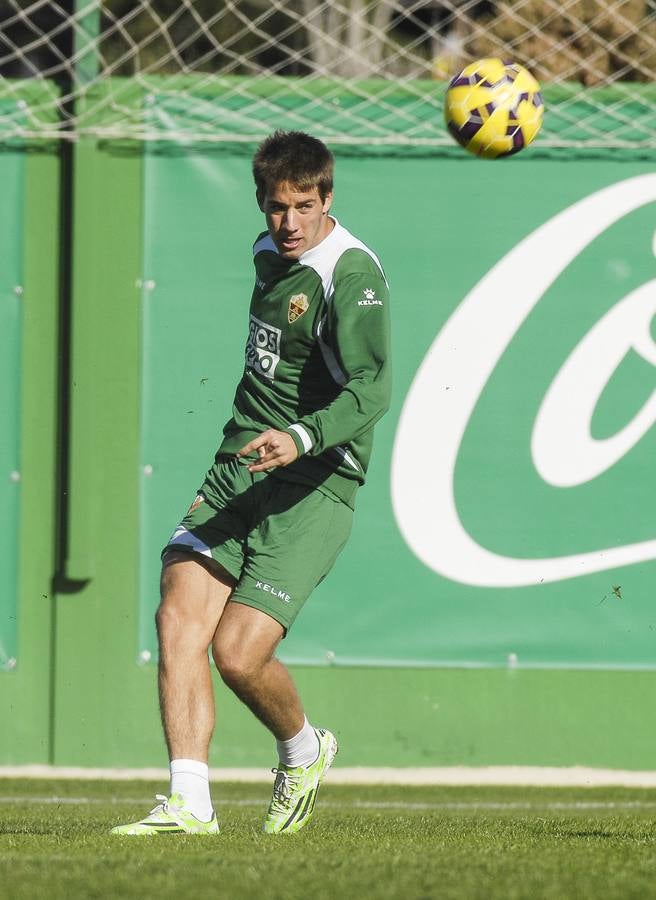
{"x":493,"y":108}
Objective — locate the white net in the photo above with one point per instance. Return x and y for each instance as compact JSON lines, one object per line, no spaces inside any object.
{"x":361,"y":72}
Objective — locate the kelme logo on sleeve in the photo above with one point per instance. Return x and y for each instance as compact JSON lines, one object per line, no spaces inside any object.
{"x":262,"y":348}
{"x":369,"y":298}
{"x":298,"y":304}
{"x":565,"y":450}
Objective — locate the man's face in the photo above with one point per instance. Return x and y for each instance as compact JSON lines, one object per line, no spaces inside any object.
{"x":297,"y":220}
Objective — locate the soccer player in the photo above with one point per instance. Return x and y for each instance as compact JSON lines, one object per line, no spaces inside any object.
{"x":275,"y":509}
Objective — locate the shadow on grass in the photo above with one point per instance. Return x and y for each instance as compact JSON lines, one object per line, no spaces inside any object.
{"x":30,"y":830}
{"x":596,"y":833}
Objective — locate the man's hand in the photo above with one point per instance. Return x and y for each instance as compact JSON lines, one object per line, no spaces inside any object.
{"x":275,"y":448}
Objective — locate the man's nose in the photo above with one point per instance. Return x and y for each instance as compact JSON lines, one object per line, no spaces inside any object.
{"x":291,"y":220}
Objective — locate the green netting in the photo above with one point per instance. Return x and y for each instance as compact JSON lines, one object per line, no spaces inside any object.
{"x":367,"y":116}
{"x":385,"y":114}
{"x":29,"y":112}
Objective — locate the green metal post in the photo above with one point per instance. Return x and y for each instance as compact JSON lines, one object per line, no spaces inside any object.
{"x":86,"y":34}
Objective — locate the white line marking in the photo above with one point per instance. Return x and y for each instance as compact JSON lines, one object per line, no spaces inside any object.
{"x":61,"y":801}
{"x":500,"y":805}
{"x":524,"y":776}
{"x":465,"y":806}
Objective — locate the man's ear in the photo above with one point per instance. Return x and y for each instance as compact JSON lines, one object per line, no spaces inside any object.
{"x":327,"y":203}
{"x":259,"y":196}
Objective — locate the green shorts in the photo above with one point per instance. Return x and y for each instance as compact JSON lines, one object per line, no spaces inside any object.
{"x":277,"y":538}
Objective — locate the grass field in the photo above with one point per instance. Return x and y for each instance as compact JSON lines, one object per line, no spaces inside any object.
{"x":365,"y":842}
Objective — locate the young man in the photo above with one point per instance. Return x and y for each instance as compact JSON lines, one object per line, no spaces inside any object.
{"x":275,"y":509}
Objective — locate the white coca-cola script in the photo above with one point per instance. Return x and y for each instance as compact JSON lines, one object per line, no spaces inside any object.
{"x":463,"y":356}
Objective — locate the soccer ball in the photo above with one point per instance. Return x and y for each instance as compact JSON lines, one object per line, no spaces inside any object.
{"x":493,"y":108}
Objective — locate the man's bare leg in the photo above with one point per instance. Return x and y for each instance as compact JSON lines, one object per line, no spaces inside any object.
{"x":243,"y":648}
{"x":193,"y":599}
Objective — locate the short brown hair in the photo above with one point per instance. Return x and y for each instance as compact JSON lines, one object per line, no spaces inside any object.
{"x":295,"y":158}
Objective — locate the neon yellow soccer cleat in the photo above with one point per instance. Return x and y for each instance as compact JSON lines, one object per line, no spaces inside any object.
{"x":169,"y":817}
{"x":295,"y":790}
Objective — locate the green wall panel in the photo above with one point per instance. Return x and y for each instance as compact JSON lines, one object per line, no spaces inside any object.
{"x":162,"y":276}
{"x":12,"y":167}
{"x":31,"y":248}
{"x":95,"y":672}
{"x":196,"y":275}
{"x":385,"y":717}
{"x":441,"y":229}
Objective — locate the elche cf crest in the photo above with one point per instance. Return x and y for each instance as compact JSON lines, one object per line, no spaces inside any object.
{"x":298,"y":304}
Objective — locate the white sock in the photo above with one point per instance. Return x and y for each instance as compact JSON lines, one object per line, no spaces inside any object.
{"x":191,"y":778}
{"x":300,"y":750}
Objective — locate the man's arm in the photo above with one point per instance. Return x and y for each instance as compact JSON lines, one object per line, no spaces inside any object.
{"x":357,"y":339}
{"x":274,"y":448}
{"x":359,"y":342}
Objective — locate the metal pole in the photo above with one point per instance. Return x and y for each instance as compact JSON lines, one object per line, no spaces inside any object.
{"x":86,"y":41}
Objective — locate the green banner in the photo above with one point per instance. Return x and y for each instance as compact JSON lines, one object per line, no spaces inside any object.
{"x":11,"y":300}
{"x":508,"y":515}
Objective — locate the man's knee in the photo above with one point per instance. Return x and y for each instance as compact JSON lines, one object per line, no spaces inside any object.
{"x":233,"y":666}
{"x":171,"y":620}
{"x":239,"y":663}
{"x":191,"y":602}
{"x":243,"y":644}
